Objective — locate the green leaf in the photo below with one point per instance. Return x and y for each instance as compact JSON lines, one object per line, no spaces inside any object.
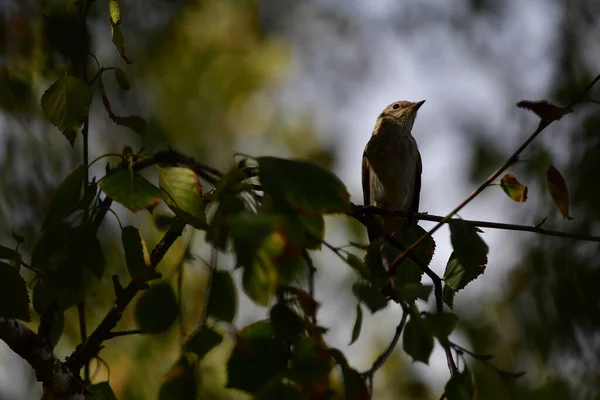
{"x":413,"y":291}
{"x":203,"y":341}
{"x":156,"y":310}
{"x":119,"y":41}
{"x":180,"y":383}
{"x":260,"y":282}
{"x":66,"y":197}
{"x":114,"y":9}
{"x":305,"y":187}
{"x":423,"y":252}
{"x":287,"y":325}
{"x":256,"y":346}
{"x":372,"y":298}
{"x":222,"y":300}
{"x":417,"y":339}
{"x":66,"y":105}
{"x":460,"y":387}
{"x":182,"y":192}
{"x":85,"y":250}
{"x":122,"y":79}
{"x":41,"y":299}
{"x":358,"y":265}
{"x":457,"y":276}
{"x":280,"y":389}
{"x":354,"y":383}
{"x":442,"y":324}
{"x":133,"y":122}
{"x":219,"y":227}
{"x":357,"y":324}
{"x":100,"y":391}
{"x":137,"y":257}
{"x":470,"y":249}
{"x":310,"y":361}
{"x":130,"y":189}
{"x":14,"y":299}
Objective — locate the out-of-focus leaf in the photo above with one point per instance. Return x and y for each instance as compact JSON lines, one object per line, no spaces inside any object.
{"x":66,"y":197}
{"x":100,"y":391}
{"x":358,"y":265}
{"x":457,"y":276}
{"x":203,"y":341}
{"x":137,"y":256}
{"x":558,"y":189}
{"x":42,"y":299}
{"x":442,"y":324}
{"x":357,"y":324}
{"x":156,"y":310}
{"x":6,"y":253}
{"x":287,"y":324}
{"x":305,"y":187}
{"x":122,"y":79}
{"x":354,"y":383}
{"x":222,"y":300}
{"x":114,"y":9}
{"x":130,"y":189}
{"x":310,"y":361}
{"x":417,"y":339}
{"x":412,"y":291}
{"x":66,"y":104}
{"x":219,"y":227}
{"x":460,"y":387}
{"x":513,"y":188}
{"x":119,"y":41}
{"x":133,"y":122}
{"x":180,"y":382}
{"x":14,"y":299}
{"x":182,"y":191}
{"x":256,"y":346}
{"x":544,"y":109}
{"x":280,"y":389}
{"x":86,"y":251}
{"x":372,"y":298}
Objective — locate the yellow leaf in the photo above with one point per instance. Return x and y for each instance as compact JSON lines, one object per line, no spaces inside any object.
{"x":513,"y":188}
{"x":558,"y":190}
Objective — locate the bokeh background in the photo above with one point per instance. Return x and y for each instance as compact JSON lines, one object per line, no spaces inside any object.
{"x":307,"y":79}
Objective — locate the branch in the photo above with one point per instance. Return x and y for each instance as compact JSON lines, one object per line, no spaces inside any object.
{"x":544,"y":123}
{"x":93,"y":345}
{"x":373,"y":210}
{"x":54,"y":374}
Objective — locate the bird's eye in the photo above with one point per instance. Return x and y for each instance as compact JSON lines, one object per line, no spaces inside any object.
{"x":396,"y":106}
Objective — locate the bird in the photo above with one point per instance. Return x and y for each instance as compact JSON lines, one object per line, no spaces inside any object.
{"x":392,"y":166}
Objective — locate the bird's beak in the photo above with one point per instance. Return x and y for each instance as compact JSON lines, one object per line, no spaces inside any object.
{"x":417,"y":105}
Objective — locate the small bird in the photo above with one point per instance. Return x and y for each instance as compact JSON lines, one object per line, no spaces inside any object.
{"x":391,"y":165}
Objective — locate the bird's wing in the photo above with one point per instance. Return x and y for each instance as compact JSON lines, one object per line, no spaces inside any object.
{"x":414,"y":205}
{"x":366,"y":184}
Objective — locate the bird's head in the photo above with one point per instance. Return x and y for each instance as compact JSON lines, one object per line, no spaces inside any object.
{"x":401,"y":112}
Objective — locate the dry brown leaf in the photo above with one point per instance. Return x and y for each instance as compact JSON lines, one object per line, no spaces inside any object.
{"x":559,"y":191}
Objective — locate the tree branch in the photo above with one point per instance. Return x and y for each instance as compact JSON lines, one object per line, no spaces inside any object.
{"x":373,"y":210}
{"x":511,"y":160}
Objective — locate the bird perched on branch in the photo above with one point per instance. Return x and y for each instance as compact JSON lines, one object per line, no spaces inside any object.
{"x":391,"y":165}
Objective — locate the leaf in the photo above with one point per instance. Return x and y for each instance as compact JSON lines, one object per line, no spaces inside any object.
{"x":255,"y":346}
{"x":513,"y":188}
{"x":558,"y":189}
{"x":357,"y":264}
{"x":133,"y":122}
{"x":6,"y":253}
{"x":310,"y":361}
{"x":66,"y":105}
{"x":287,"y":324}
{"x":100,"y":391}
{"x":442,"y":324}
{"x":357,"y":324}
{"x":156,"y":310}
{"x":278,"y":389}
{"x":460,"y":387}
{"x":14,"y":298}
{"x":203,"y":341}
{"x":180,"y":382}
{"x":305,"y":187}
{"x":122,"y":79}
{"x":417,"y":339}
{"x":182,"y":192}
{"x":372,"y":298}
{"x":86,"y":251}
{"x":222,"y":300}
{"x":66,"y":197}
{"x":545,"y":110}
{"x":412,"y":291}
{"x":114,"y":9}
{"x":354,"y":383}
{"x":119,"y":41}
{"x":136,"y":255}
{"x":130,"y":189}
{"x":457,"y":276}
{"x":469,"y":248}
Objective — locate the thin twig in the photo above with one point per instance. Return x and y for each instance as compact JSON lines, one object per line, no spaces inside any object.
{"x":369,"y":210}
{"x":511,"y":160}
